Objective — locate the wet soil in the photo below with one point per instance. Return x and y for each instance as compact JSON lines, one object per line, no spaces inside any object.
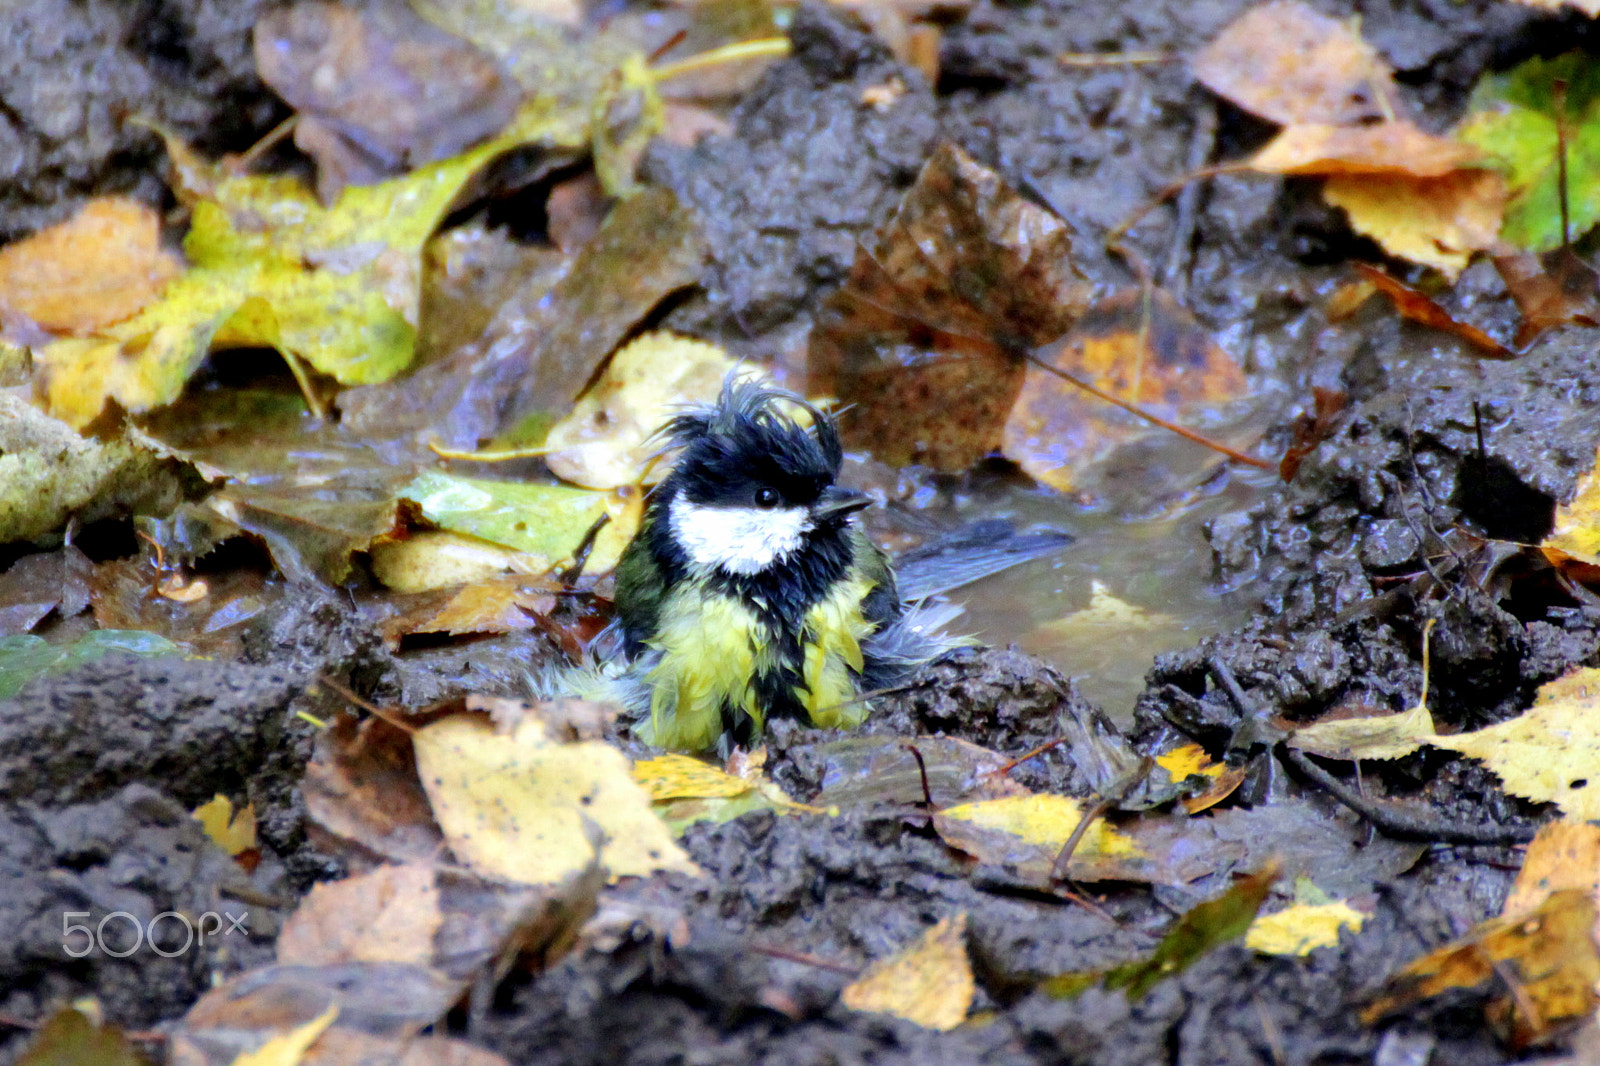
{"x":1400,"y":518}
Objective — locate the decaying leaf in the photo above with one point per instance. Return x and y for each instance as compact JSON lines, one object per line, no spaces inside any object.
{"x":75,"y":1035}
{"x":363,"y":799}
{"x":860,"y":772}
{"x":1552,"y":289}
{"x":378,"y":89}
{"x":929,"y":983}
{"x":1385,"y":737}
{"x":1291,"y":64}
{"x":924,"y":339}
{"x":527,"y":808}
{"x":1548,"y":955}
{"x":608,"y":440}
{"x":1148,"y":351}
{"x":99,"y":267}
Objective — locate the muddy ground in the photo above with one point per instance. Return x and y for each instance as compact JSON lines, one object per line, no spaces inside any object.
{"x":1390,"y":523}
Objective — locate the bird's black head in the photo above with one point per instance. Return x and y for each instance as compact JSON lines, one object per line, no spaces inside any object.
{"x":752,"y":488}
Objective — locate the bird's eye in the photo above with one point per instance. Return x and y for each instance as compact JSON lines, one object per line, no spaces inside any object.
{"x":766,"y":498}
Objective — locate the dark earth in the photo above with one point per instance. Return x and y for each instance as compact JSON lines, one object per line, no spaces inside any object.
{"x":1399,"y":518}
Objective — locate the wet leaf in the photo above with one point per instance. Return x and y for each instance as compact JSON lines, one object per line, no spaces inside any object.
{"x":438,"y":559}
{"x":1413,"y":305}
{"x":1575,"y":535}
{"x":929,"y":983}
{"x":1438,"y":222}
{"x":70,"y":1037}
{"x":860,"y":772}
{"x":924,"y":340}
{"x":49,"y":474}
{"x":1150,"y":352}
{"x":36,"y":585}
{"x":362,"y":795}
{"x":608,"y":439}
{"x":685,"y":791}
{"x":1549,"y":955}
{"x":234,"y":831}
{"x":288,"y":1049}
{"x":524,"y":807}
{"x":505,"y":604}
{"x":1302,"y":928}
{"x":1202,"y":928}
{"x":1512,"y":117}
{"x":390,"y":914}
{"x":1564,"y":855}
{"x":1291,"y":64}
{"x":1312,"y":429}
{"x":1387,"y":148}
{"x":1550,"y":753}
{"x":25,"y":657}
{"x":627,"y":116}
{"x":1386,"y":737}
{"x":546,"y":523}
{"x":1552,"y":289}
{"x":378,"y":89}
{"x":98,"y":267}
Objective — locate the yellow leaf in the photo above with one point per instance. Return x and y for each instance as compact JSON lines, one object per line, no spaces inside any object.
{"x":1549,"y":753}
{"x":1386,"y":737}
{"x":287,"y":1049}
{"x":527,"y":808}
{"x":608,"y":438}
{"x":1189,"y":759}
{"x":668,"y":777}
{"x":1576,"y":533}
{"x":234,"y":831}
{"x":1042,"y":820}
{"x":929,"y":983}
{"x":1563,"y":855}
{"x":1435,"y":221}
{"x":1302,"y":928}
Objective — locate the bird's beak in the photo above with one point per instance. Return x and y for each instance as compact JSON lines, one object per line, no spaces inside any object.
{"x":836,"y":503}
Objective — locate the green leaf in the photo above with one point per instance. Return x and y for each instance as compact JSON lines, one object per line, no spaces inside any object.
{"x":1512,"y":116}
{"x":25,"y":657}
{"x":544,"y":520}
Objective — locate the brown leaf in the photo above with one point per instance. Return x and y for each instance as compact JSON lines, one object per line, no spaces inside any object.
{"x":1438,"y":222}
{"x":1312,"y":429}
{"x":1149,"y":352}
{"x":924,"y":338}
{"x":37,"y":584}
{"x":389,"y":914}
{"x":100,"y":266}
{"x":1288,"y":63}
{"x":1550,"y":290}
{"x":1413,"y":305}
{"x":362,"y":796}
{"x":378,"y":89}
{"x":504,"y":604}
{"x":1384,"y":148}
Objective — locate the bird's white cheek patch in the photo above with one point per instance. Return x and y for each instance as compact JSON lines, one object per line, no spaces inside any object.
{"x":740,"y":540}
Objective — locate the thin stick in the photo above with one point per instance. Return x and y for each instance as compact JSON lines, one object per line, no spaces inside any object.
{"x":1135,"y":409}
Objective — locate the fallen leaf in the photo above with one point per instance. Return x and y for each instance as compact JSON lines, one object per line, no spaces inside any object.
{"x":1564,"y":855}
{"x":1575,"y":533}
{"x":76,"y":1037}
{"x":1550,"y":753}
{"x":389,"y":914}
{"x":862,"y":772}
{"x":524,"y":807}
{"x":431,"y":559}
{"x":672,"y":776}
{"x":924,"y":341}
{"x":287,"y":1049}
{"x":1200,"y":930}
{"x":1389,"y":736}
{"x":1302,"y":928}
{"x":363,"y":799}
{"x":1149,"y":351}
{"x":1413,"y":305}
{"x":98,"y":267}
{"x":1512,"y":117}
{"x":1312,"y":429}
{"x":378,"y":89}
{"x":545,"y":523}
{"x":25,"y":656}
{"x":1289,"y":63}
{"x":1552,"y":289}
{"x":1438,"y":222}
{"x":609,"y":438}
{"x":929,"y":983}
{"x":234,"y":831}
{"x":1548,"y":954}
{"x":1386,"y":148}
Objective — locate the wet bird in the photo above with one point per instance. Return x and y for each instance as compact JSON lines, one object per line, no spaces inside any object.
{"x":750,"y":590}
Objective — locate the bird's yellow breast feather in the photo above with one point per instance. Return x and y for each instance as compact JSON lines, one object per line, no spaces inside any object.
{"x":713,"y":648}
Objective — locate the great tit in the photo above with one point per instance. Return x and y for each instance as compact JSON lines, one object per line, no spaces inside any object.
{"x":750,"y":591}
